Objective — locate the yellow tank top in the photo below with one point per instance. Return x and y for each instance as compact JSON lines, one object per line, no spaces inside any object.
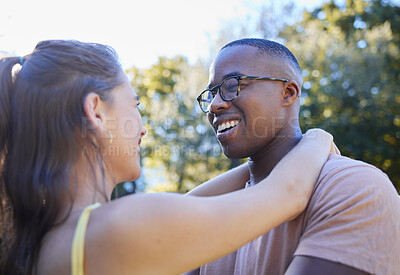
{"x":78,"y":244}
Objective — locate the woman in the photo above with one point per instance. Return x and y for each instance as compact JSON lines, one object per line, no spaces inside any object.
{"x":70,"y":130}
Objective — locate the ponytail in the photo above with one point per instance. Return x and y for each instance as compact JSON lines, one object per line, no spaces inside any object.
{"x":8,"y":78}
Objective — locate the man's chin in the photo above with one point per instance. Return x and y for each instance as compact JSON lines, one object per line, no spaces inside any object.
{"x":232,"y":153}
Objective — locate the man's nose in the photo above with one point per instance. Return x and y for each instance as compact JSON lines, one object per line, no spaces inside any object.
{"x":218,"y":104}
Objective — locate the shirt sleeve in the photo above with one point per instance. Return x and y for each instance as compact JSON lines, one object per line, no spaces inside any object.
{"x":354,"y":218}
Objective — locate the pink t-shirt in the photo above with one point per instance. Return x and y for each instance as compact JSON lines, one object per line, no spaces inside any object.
{"x":353,"y":218}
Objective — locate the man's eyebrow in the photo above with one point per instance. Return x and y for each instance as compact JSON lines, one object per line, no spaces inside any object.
{"x":137,"y":97}
{"x":235,"y":73}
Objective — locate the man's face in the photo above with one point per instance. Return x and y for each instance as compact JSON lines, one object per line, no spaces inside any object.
{"x":252,"y":120}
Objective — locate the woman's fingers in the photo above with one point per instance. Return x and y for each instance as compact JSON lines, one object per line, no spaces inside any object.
{"x":318,"y":133}
{"x":334,"y":149}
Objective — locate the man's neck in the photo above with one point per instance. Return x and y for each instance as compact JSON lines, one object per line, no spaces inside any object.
{"x":262,"y":163}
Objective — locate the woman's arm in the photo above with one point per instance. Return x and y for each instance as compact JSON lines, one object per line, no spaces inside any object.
{"x":232,"y":180}
{"x":171,"y":234}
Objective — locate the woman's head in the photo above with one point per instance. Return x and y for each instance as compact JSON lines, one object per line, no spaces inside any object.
{"x":121,"y":126}
{"x":50,"y":119}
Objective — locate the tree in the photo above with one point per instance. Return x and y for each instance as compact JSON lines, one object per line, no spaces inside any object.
{"x":179,"y":141}
{"x":350,"y":58}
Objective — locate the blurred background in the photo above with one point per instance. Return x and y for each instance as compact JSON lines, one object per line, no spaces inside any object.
{"x":349,"y":52}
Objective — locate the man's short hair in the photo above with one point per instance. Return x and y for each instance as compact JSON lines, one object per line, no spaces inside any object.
{"x":268,"y":47}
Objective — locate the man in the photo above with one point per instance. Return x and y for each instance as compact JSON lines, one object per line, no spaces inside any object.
{"x":352,"y":222}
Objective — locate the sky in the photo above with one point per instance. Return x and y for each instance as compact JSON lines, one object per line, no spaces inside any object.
{"x":140,"y":31}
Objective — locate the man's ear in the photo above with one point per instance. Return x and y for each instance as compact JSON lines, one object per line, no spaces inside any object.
{"x":93,"y":109}
{"x":290,"y":93}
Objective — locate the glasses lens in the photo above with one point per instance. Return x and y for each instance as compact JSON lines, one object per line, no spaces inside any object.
{"x":205,"y":100}
{"x":229,"y":89}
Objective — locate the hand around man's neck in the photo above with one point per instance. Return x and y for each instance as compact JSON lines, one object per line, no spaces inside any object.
{"x":262,"y":163}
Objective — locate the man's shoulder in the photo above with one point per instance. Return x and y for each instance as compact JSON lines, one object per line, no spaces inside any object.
{"x":352,"y":217}
{"x":344,"y":181}
{"x":341,"y":170}
{"x":337,"y":164}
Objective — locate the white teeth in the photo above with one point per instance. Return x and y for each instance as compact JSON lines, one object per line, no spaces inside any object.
{"x":228,"y":124}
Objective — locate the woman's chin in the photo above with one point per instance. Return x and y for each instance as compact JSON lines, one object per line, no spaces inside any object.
{"x":134,"y":176}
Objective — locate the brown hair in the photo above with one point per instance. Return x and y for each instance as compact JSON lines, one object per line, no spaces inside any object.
{"x":43,"y":131}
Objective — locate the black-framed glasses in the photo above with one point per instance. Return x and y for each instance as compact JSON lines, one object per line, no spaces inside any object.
{"x":229,"y":89}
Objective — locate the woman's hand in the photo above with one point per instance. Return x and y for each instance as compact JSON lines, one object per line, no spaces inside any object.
{"x":334,"y":149}
{"x":298,"y":171}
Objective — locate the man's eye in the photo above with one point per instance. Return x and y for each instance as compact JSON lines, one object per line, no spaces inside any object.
{"x":231,"y":87}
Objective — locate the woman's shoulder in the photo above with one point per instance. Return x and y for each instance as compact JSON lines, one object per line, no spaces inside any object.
{"x":55,"y":251}
{"x":56,"y":246}
{"x":115,"y":233}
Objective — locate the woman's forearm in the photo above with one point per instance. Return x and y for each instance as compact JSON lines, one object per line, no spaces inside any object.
{"x":229,"y":181}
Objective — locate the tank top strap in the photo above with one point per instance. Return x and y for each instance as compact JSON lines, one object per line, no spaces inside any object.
{"x":78,"y":244}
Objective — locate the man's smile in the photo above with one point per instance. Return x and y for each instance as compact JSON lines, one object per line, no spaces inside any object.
{"x":225,"y":126}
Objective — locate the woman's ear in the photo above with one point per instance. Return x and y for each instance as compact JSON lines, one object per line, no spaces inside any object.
{"x":290,"y":93}
{"x":93,"y":109}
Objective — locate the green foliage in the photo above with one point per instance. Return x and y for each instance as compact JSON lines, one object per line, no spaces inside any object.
{"x":351,"y":66}
{"x":350,"y":58}
{"x":123,"y":189}
{"x":179,"y":139}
